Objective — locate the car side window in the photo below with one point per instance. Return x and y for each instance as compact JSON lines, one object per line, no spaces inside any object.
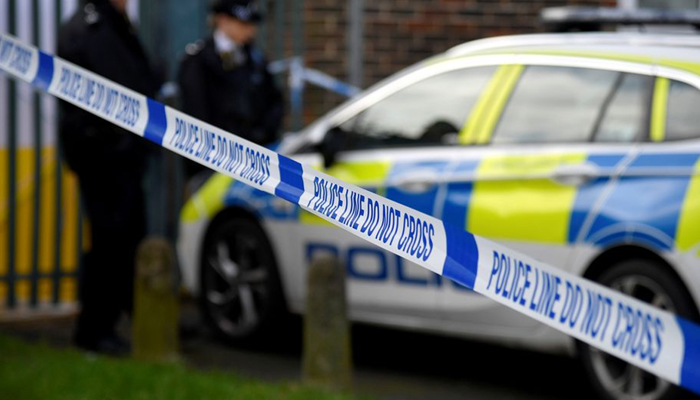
{"x":568,"y":105}
{"x":682,"y":115}
{"x":429,"y":112}
{"x":626,"y":117}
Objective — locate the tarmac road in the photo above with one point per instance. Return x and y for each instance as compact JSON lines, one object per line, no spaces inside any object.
{"x":397,"y":365}
{"x":389,"y":364}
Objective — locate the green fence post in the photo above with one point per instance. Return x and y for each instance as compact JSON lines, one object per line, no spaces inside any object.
{"x":34,"y":299}
{"x":79,"y":245}
{"x":57,"y":229}
{"x":58,"y":205}
{"x":12,"y":171}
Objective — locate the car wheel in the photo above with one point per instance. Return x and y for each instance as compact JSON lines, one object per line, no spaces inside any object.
{"x":650,"y":282}
{"x":241,"y":295}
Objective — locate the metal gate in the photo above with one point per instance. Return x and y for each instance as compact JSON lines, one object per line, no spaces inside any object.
{"x":41,"y":229}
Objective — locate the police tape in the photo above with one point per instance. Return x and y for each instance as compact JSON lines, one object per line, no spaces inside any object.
{"x":299,"y":74}
{"x":652,"y":339}
{"x":328,"y":82}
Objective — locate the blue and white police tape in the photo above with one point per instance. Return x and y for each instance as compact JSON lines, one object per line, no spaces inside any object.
{"x":300,"y":74}
{"x":650,"y":338}
{"x":328,"y":82}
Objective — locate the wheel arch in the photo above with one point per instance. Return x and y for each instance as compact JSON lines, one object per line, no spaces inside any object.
{"x":663,"y":268}
{"x":227,"y":214}
{"x":224,"y":215}
{"x":621,"y":253}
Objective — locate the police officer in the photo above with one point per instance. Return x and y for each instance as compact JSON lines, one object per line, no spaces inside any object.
{"x":224,"y":79}
{"x":110,"y":165}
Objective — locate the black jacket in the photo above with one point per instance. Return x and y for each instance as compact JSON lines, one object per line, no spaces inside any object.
{"x":102,"y":40}
{"x":241,"y":99}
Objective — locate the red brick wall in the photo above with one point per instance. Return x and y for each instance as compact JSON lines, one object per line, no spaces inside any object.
{"x":325,"y":49}
{"x":399,"y":33}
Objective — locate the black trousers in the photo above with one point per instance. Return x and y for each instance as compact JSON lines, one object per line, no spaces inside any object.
{"x":114,"y":202}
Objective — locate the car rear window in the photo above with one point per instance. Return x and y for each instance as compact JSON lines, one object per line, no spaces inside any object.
{"x":626,"y":117}
{"x":683,"y":112}
{"x":568,"y":104}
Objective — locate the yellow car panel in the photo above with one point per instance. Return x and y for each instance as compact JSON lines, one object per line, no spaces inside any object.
{"x":688,"y":234}
{"x":513,"y":200}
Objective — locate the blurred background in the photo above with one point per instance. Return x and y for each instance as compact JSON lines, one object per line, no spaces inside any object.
{"x":351,"y":44}
{"x":321,"y":52}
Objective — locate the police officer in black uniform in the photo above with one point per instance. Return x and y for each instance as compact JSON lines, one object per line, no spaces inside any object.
{"x":224,"y":79}
{"x":110,"y":164}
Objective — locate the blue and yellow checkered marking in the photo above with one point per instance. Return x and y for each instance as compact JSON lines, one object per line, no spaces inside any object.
{"x":590,"y":192}
{"x":642,"y":208}
{"x":688,"y":231}
{"x":459,"y":194}
{"x":657,"y":211}
{"x":421,"y":201}
{"x":674,"y":200}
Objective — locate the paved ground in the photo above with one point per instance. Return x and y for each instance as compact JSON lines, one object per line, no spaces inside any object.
{"x":388,"y":364}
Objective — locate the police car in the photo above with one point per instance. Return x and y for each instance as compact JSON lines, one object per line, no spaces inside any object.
{"x":581,"y":150}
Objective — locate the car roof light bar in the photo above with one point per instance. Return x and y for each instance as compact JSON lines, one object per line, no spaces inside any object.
{"x":591,"y":18}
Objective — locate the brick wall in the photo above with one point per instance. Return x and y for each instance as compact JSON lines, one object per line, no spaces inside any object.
{"x":325,"y":49}
{"x":399,"y":33}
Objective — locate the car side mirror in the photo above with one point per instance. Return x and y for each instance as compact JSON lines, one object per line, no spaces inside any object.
{"x":333,"y":143}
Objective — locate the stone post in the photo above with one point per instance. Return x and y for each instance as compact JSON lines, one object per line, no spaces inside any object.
{"x":327,"y":355}
{"x":156,"y":309}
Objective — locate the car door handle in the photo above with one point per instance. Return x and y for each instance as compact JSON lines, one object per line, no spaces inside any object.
{"x":575,"y":175}
{"x":416,"y":186}
{"x":417,"y":182}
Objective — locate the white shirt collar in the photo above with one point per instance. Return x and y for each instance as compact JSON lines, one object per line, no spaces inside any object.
{"x":223,"y":43}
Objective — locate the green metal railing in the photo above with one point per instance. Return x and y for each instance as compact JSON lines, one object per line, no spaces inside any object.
{"x":41,"y":234}
{"x":12,"y":172}
{"x":41,"y":213}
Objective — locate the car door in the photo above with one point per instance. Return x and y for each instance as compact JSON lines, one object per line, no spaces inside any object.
{"x":552,"y":148}
{"x":400,"y":140}
{"x":656,"y":202}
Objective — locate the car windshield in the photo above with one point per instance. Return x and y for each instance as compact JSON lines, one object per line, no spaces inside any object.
{"x":429,"y":112}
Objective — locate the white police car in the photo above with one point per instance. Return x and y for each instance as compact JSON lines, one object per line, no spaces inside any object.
{"x":581,"y":150}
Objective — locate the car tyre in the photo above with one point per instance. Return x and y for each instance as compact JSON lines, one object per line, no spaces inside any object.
{"x":241,"y":294}
{"x":651,"y":282}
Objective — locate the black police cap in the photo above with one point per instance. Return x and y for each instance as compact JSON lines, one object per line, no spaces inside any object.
{"x":243,"y":10}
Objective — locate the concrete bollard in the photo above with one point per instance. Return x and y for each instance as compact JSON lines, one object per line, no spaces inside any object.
{"x":327,"y":359}
{"x":156,"y":310}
